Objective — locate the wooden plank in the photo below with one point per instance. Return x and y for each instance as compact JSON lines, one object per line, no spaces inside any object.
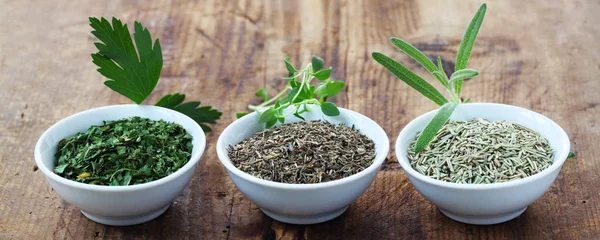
{"x":536,"y":56}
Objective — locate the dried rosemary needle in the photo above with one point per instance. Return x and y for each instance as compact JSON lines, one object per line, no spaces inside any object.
{"x":304,"y":152}
{"x":480,"y":152}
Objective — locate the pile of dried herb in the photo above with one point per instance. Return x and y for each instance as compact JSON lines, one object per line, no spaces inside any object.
{"x":480,"y":151}
{"x":124,"y":152}
{"x":304,"y":152}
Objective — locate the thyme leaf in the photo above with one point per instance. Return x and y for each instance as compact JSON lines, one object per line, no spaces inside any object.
{"x":298,"y":93}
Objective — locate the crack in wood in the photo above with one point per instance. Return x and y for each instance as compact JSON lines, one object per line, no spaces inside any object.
{"x":210,"y":39}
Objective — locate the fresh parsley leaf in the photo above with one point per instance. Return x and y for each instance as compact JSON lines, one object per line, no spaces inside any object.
{"x":171,"y":100}
{"x":240,"y":114}
{"x":135,"y":76}
{"x":202,"y":115}
{"x":130,"y":75}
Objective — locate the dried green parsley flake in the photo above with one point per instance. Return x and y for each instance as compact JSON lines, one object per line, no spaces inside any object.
{"x":480,"y":152}
{"x":124,"y":152}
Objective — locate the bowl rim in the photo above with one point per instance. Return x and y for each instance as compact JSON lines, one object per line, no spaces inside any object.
{"x":194,"y":159}
{"x":379,"y":159}
{"x":562,"y":150}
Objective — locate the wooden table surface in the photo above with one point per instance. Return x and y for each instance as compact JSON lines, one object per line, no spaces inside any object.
{"x":541,"y":56}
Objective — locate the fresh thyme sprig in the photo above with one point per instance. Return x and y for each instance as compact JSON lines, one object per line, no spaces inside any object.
{"x":453,"y":85}
{"x":136,"y":76}
{"x":298,"y":93}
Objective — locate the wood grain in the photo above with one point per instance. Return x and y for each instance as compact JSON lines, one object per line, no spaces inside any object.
{"x":543,"y":57}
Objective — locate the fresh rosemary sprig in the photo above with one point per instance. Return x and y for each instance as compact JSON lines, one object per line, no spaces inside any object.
{"x":298,"y":93}
{"x":453,"y":85}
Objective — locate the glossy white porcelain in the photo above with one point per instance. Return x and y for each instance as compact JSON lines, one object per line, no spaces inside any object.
{"x":118,"y":205}
{"x":486,"y":203}
{"x":303,"y":203}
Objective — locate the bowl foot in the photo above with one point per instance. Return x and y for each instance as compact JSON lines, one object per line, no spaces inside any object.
{"x":305,"y":219}
{"x":126,"y":221}
{"x":483,"y":220}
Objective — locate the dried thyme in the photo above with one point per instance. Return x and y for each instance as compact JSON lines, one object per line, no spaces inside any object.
{"x":480,"y":151}
{"x":124,"y":152}
{"x":304,"y":152}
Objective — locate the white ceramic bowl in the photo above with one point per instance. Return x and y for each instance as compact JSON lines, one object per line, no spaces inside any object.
{"x":486,"y":203}
{"x":118,"y":205}
{"x":303,"y":203}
